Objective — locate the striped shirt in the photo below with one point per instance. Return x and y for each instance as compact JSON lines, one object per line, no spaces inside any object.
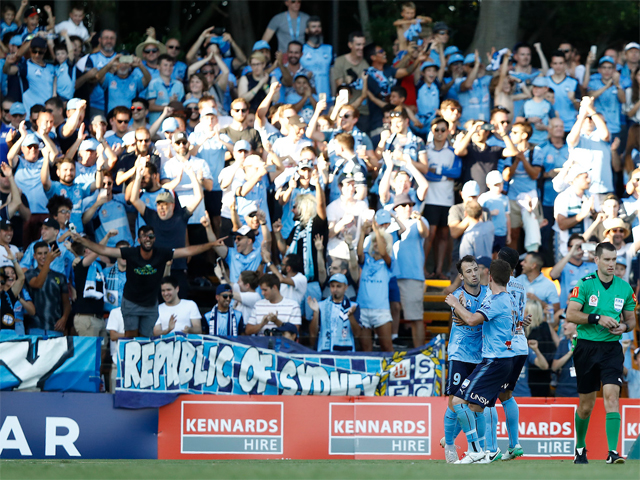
{"x":287,"y":311}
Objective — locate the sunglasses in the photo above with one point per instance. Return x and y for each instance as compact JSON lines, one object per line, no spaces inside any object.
{"x":241,"y":110}
{"x":439,"y":130}
{"x":121,"y":121}
{"x":150,"y":236}
{"x":32,"y":146}
{"x":145,"y":140}
{"x":380,"y":50}
{"x":181,"y":142}
{"x":153,"y":50}
{"x":173,"y":47}
{"x":225,"y":296}
{"x":208,"y":72}
{"x":252,"y":214}
{"x":137,"y":109}
{"x":64,"y":211}
{"x":617,"y":230}
{"x":346,"y":115}
{"x":395,"y":114}
{"x":37,"y":52}
{"x":566,"y":50}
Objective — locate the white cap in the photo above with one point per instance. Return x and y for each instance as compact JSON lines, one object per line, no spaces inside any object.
{"x":577,"y":169}
{"x":631,"y":45}
{"x":494,"y":177}
{"x":471,"y":189}
{"x":129,"y":138}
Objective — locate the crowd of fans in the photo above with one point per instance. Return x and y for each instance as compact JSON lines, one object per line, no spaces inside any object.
{"x":321,"y":191}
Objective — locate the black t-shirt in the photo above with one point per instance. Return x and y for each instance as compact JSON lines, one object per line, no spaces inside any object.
{"x":66,"y":142}
{"x":318,"y":227}
{"x":17,"y":221}
{"x":477,"y":163}
{"x":171,"y":233}
{"x":251,"y":135}
{"x":86,"y":305}
{"x":7,"y":315}
{"x":126,"y":163}
{"x":144,"y":276}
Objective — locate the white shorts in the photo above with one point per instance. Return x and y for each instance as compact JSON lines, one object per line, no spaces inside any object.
{"x":374,"y":317}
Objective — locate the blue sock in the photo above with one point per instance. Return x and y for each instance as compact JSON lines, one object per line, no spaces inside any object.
{"x":451,"y":427}
{"x":468,"y":423}
{"x":481,"y":426}
{"x":512,"y":413}
{"x":491,"y":435}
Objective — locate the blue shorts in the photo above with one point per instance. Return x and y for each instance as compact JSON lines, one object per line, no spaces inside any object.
{"x":499,"y":241}
{"x":518,"y":364}
{"x":484,"y":384}
{"x":458,"y":373}
{"x":394,"y":291}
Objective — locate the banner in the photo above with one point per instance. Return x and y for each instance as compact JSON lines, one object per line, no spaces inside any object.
{"x":365,"y":428}
{"x":55,"y":364}
{"x":152,"y":372}
{"x":74,"y":425}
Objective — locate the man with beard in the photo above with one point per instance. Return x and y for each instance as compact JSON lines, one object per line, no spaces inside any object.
{"x":317,"y":57}
{"x":126,"y":166}
{"x":145,"y":269}
{"x":122,"y":86}
{"x":238,"y":129}
{"x":90,"y":65}
{"x":287,"y":26}
{"x":348,"y":68}
{"x":293,"y":68}
{"x":222,"y":319}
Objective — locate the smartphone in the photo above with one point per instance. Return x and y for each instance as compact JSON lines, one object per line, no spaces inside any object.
{"x":126,"y":59}
{"x":351,"y":72}
{"x":219,"y":31}
{"x":54,"y":246}
{"x":343,"y":96}
{"x":589,"y":247}
{"x":322,"y":97}
{"x":72,"y":228}
{"x":593,"y":50}
{"x":487,"y":126}
{"x":103,"y":193}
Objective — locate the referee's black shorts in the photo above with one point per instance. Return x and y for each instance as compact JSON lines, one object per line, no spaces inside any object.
{"x":597,"y":362}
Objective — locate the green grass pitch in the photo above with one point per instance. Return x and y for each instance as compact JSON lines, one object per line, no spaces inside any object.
{"x":312,"y":469}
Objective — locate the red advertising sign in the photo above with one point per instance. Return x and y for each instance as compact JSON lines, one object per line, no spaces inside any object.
{"x":630,"y":426}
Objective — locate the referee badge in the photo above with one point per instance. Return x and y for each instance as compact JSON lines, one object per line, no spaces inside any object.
{"x":618,"y":303}
{"x":593,"y":301}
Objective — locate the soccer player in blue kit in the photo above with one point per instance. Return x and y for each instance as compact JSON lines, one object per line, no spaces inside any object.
{"x":464,"y":350}
{"x":499,"y":318}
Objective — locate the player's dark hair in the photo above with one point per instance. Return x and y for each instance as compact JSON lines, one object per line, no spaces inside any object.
{"x":167,"y":57}
{"x":173,"y":281}
{"x":557,"y":53}
{"x":500,"y":272}
{"x":153,"y":170}
{"x":573,"y":237}
{"x":294,"y":42}
{"x":604,"y":246}
{"x":141,"y":100}
{"x":537,"y":258}
{"x":295,"y":262}
{"x":510,"y":256}
{"x":269,"y":280}
{"x":120,"y":110}
{"x":313,"y":18}
{"x":55,"y":102}
{"x":465,"y":259}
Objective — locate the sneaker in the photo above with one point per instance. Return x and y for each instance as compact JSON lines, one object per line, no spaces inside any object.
{"x":513,"y":453}
{"x":491,"y":457}
{"x":471,"y":457}
{"x":613,"y":457}
{"x":581,"y":457}
{"x":450,"y":451}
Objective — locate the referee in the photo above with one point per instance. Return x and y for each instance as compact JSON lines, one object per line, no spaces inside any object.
{"x":596,"y":304}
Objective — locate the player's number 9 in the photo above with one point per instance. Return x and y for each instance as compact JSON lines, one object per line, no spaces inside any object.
{"x":456,"y":379}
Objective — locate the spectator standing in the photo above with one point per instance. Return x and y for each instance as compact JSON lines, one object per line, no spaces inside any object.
{"x":287,"y":26}
{"x":348,"y":69}
{"x":176,"y":314}
{"x":473,"y":89}
{"x":163,"y":89}
{"x":565,"y":89}
{"x":478,"y":238}
{"x":567,"y":385}
{"x":317,"y":57}
{"x":73,"y":25}
{"x":537,"y":286}
{"x":498,"y":205}
{"x":91,"y":64}
{"x":109,"y":210}
{"x":115,"y":277}
{"x":607,"y":88}
{"x":293,"y":283}
{"x":571,"y":268}
{"x":123,"y":79}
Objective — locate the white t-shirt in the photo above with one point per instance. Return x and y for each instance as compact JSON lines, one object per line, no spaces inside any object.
{"x":284,"y":146}
{"x":287,"y":311}
{"x":440,"y":192}
{"x":228,"y":194}
{"x":185,"y":311}
{"x":173,"y":168}
{"x":297,"y":291}
{"x":115,"y":323}
{"x":4,"y":260}
{"x":73,"y":29}
{"x":569,"y":204}
{"x":336,"y":210}
{"x":249,"y":300}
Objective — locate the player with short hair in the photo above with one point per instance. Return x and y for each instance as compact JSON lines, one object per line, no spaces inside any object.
{"x":596,"y":304}
{"x":465,"y":348}
{"x":499,"y":318}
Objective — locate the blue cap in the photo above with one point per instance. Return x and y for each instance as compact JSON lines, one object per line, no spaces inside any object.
{"x":223,"y":45}
{"x":260,"y":44}
{"x":300,"y":74}
{"x":30,"y":139}
{"x":223,"y":287}
{"x":169,"y":125}
{"x":287,"y":327}
{"x":190,"y":101}
{"x":450,"y":50}
{"x":204,"y":111}
{"x":607,"y":59}
{"x":484,"y":261}
{"x":339,"y":277}
{"x":17,"y":109}
{"x":247,"y":208}
{"x":383,"y":216}
{"x":470,"y":58}
{"x":242,"y":145}
{"x":88,"y":144}
{"x":621,"y":260}
{"x":540,"y":81}
{"x":16,"y":40}
{"x":72,"y":104}
{"x":428,"y":63}
{"x":456,"y":57}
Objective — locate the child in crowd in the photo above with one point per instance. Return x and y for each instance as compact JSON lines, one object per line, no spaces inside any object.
{"x":498,"y":205}
{"x":409,"y":25}
{"x":478,"y":238}
{"x":538,"y":110}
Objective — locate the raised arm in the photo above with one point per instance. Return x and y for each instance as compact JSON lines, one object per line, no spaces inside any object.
{"x":135,"y":189}
{"x":468,"y":82}
{"x":193,"y":51}
{"x":100,"y":249}
{"x":218,"y":245}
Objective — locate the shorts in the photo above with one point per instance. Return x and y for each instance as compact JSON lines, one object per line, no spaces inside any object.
{"x":484,"y":384}
{"x":436,"y":215}
{"x":139,"y":317}
{"x":213,"y":203}
{"x":458,"y":373}
{"x":374,"y":317}
{"x":516,"y":213}
{"x":597,"y":362}
{"x":518,"y":365}
{"x":412,"y":298}
{"x":90,"y":326}
{"x":394,"y":291}
{"x":499,"y":241}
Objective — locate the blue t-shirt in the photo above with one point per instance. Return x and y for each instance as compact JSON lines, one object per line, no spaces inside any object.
{"x":476,"y":102}
{"x":62,"y":264}
{"x":37,"y":83}
{"x":119,"y":92}
{"x":567,"y":382}
{"x":521,"y":182}
{"x":97,"y":60}
{"x":465,"y":342}
{"x":607,"y":104}
{"x":428,"y":101}
{"x":569,"y":278}
{"x":374,"y":284}
{"x":544,"y":111}
{"x":527,"y":78}
{"x":306,"y":112}
{"x":113,"y":216}
{"x":27,"y":177}
{"x":500,"y":319}
{"x":319,"y":61}
{"x":238,"y":262}
{"x":162,"y":93}
{"x":563,"y":104}
{"x":550,"y":157}
{"x":76,"y":193}
{"x":66,"y":80}
{"x":409,"y":252}
{"x":212,"y":152}
{"x":541,"y":287}
{"x":497,"y":202}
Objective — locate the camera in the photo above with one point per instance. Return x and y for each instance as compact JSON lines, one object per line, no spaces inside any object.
{"x":218,"y":31}
{"x":487,"y":126}
{"x":272,"y":332}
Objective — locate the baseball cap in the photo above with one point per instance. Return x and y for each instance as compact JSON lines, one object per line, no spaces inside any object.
{"x":245,"y":231}
{"x":169,"y":125}
{"x":72,"y":104}
{"x":99,"y":119}
{"x":179,"y":136}
{"x":38,"y":42}
{"x":223,"y":287}
{"x":346,"y":178}
{"x":450,"y":50}
{"x":631,"y":45}
{"x":166,"y":197}
{"x":470,"y":58}
{"x":16,"y":40}
{"x":51,"y":223}
{"x":438,"y":26}
{"x":30,"y":12}
{"x":403,"y":199}
{"x":577,"y":169}
{"x":261,"y":44}
{"x":510,"y":256}
{"x":339,"y":277}
{"x":88,"y":144}
{"x":305,"y":164}
{"x":287,"y":327}
{"x":494,"y":177}
{"x":300,"y":74}
{"x":607,"y":59}
{"x":5,"y":224}
{"x":247,"y":208}
{"x":129,"y":138}
{"x":621,"y":260}
{"x":540,"y":82}
{"x":204,"y":111}
{"x":17,"y":109}
{"x":190,"y":101}
{"x":30,"y":139}
{"x":456,"y":57}
{"x":383,"y":216}
{"x":470,"y":189}
{"x":242,"y":145}
{"x":428,"y":63}
{"x":297,"y":121}
{"x":484,"y":261}
{"x":223,"y":45}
